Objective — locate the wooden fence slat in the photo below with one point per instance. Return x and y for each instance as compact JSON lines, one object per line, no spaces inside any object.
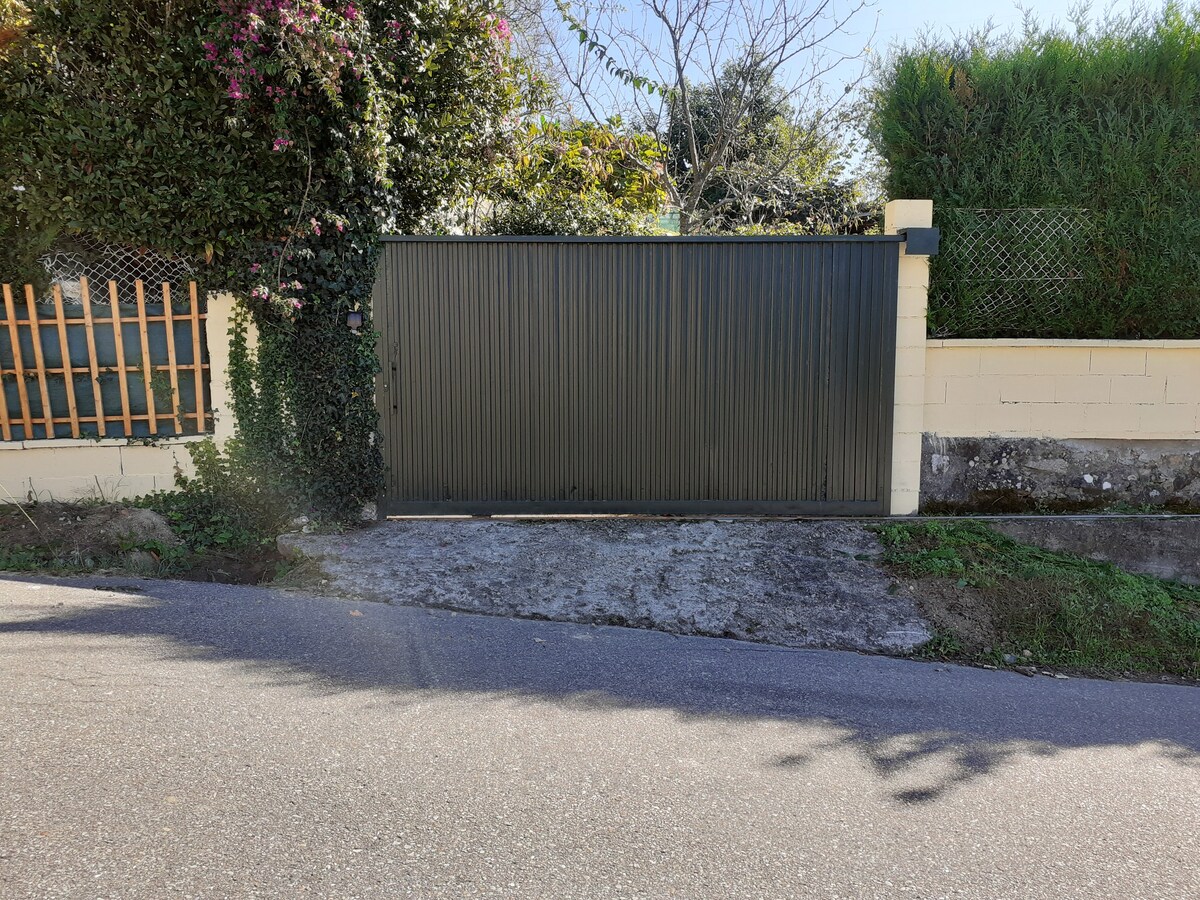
{"x":89,"y":327}
{"x":121,"y":367}
{"x":166,"y":288}
{"x":65,"y":348}
{"x":5,"y":425}
{"x":10,"y":312}
{"x":57,"y":370}
{"x":147,"y":372}
{"x":198,"y":370}
{"x":35,"y":332}
{"x":135,"y":416}
{"x":98,"y":320}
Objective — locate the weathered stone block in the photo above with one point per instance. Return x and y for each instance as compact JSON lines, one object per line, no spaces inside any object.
{"x":1003,"y":474}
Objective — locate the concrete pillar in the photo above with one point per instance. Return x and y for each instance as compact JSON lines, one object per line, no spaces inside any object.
{"x":912,"y":303}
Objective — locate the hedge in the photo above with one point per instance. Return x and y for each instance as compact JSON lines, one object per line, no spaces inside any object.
{"x":1100,"y":126}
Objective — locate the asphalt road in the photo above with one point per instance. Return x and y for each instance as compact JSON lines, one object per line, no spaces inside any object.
{"x":165,"y":740}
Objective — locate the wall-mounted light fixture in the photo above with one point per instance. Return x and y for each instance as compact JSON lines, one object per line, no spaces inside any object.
{"x":354,"y":320}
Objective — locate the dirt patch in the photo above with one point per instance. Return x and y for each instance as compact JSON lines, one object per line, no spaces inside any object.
{"x":994,"y":600}
{"x":77,"y":533}
{"x":794,"y":583}
{"x":263,"y":566}
{"x":67,"y":537}
{"x":964,"y":612}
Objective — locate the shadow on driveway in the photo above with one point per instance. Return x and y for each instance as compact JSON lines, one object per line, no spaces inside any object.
{"x":899,"y":715}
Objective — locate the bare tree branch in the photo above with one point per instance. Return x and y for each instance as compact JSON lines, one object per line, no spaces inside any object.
{"x":788,"y":46}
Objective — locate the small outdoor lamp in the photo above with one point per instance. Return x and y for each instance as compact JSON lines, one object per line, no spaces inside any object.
{"x":354,"y":320}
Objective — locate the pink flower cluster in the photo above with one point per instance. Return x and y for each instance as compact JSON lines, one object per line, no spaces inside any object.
{"x":498,"y":29}
{"x":283,"y":302}
{"x":312,"y":35}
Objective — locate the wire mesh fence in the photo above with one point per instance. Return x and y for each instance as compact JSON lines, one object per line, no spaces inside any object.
{"x":1004,"y":272}
{"x":101,"y":263}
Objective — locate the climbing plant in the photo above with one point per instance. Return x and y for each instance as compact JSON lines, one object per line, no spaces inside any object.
{"x":274,"y":140}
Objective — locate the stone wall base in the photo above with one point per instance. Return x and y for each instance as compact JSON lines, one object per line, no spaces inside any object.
{"x":1022,"y":474}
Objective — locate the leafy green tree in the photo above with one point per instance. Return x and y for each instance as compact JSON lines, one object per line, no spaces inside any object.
{"x":571,"y":178}
{"x":776,"y":166}
{"x":646,"y":60}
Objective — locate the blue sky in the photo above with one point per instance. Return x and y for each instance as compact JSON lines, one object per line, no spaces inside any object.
{"x":901,"y":21}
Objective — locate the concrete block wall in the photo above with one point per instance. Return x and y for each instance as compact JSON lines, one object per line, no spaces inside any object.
{"x":1135,"y":390}
{"x":1013,"y":424}
{"x":67,"y":469}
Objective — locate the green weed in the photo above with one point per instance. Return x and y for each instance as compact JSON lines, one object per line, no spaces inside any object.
{"x":1068,"y":611}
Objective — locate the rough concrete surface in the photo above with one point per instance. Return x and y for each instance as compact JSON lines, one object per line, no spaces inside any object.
{"x":793,"y":583}
{"x":979,"y":472}
{"x":167,"y":740}
{"x":1165,"y":548}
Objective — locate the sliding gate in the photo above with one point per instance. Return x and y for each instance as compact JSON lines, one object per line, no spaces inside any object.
{"x":637,"y":375}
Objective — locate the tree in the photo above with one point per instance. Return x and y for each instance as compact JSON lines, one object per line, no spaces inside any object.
{"x":655,"y":62}
{"x":569,"y":178}
{"x":770,"y":159}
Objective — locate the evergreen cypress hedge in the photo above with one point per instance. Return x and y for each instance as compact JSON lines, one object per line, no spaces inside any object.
{"x":1104,"y":120}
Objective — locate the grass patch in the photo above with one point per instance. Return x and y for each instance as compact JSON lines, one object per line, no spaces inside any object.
{"x":988,"y":595}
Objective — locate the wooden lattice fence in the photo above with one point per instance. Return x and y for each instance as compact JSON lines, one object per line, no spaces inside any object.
{"x":114,"y":367}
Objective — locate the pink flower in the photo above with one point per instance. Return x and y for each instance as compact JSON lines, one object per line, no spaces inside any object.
{"x":281,"y":143}
{"x":254,"y":268}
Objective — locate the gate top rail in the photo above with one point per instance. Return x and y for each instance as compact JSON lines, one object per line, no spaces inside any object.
{"x":648,"y":239}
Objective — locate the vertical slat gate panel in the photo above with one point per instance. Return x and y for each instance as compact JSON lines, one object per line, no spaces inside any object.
{"x":637,"y":375}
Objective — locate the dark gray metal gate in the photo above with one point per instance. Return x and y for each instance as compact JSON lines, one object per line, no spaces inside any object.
{"x":644,"y":375}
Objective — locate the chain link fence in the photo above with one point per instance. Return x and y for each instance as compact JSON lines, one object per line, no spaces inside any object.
{"x":101,"y":263}
{"x":1004,"y":272}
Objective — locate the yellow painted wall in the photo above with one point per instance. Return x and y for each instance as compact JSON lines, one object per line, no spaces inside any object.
{"x":1147,"y":390}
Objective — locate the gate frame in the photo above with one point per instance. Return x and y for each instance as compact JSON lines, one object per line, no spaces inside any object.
{"x":899,"y":482}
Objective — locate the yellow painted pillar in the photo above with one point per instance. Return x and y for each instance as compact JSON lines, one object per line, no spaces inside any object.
{"x":912,"y":303}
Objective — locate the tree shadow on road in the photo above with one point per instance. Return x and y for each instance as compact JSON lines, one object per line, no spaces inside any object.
{"x":923,"y":728}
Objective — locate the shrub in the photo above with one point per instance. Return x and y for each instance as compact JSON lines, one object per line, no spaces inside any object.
{"x":1103,"y":120}
{"x":230,"y":503}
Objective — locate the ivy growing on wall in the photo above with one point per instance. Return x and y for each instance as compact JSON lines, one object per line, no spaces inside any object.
{"x":274,"y":140}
